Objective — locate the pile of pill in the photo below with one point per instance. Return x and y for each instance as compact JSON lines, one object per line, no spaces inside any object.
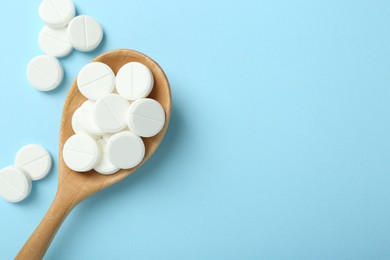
{"x":32,"y":162}
{"x":62,"y":32}
{"x":108,"y":126}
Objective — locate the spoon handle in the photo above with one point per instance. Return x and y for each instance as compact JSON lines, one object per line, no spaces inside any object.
{"x":38,"y":243}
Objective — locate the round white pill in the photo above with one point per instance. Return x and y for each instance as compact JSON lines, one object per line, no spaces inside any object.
{"x":81,"y":153}
{"x":145,"y":117}
{"x":54,"y":42}
{"x":110,"y":113}
{"x":34,"y":160}
{"x":57,"y":13}
{"x":104,"y":166}
{"x":77,"y":128}
{"x":134,"y":80}
{"x":86,"y":119}
{"x":85,"y":33}
{"x":15,"y":184}
{"x":125,"y":150}
{"x":45,"y":72}
{"x":95,"y":80}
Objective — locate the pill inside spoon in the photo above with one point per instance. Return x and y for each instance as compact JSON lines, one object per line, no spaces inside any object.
{"x":126,"y":116}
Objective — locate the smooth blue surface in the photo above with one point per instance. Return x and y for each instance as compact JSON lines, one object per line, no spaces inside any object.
{"x":279,"y":144}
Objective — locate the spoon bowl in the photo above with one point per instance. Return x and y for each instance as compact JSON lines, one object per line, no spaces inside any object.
{"x":74,"y":187}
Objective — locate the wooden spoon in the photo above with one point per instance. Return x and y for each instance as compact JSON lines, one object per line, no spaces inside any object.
{"x":74,"y":187}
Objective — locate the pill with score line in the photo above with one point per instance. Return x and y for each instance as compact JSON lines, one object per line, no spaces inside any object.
{"x":35,"y":160}
{"x":145,"y":117}
{"x":110,"y":113}
{"x":85,"y":33}
{"x":81,"y":153}
{"x":57,"y":13}
{"x":45,"y":72}
{"x":134,"y":80}
{"x":15,"y":184}
{"x":54,"y":42}
{"x":95,"y":80}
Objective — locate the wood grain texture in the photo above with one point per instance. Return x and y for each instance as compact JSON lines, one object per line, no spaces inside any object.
{"x":74,"y":187}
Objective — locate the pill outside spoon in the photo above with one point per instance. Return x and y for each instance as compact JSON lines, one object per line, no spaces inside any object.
{"x":74,"y":187}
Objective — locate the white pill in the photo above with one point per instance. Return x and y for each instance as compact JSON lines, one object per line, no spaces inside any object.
{"x":86,"y":119}
{"x":45,"y":72}
{"x":15,"y":184}
{"x":104,"y":166}
{"x":34,"y":160}
{"x":85,"y":33}
{"x":145,"y":117}
{"x":134,"y":80}
{"x":57,"y":13}
{"x":125,"y":150}
{"x":77,"y":128}
{"x":54,"y":42}
{"x":110,"y":113}
{"x":81,"y":153}
{"x":96,"y":80}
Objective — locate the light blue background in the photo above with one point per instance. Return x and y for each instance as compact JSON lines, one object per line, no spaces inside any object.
{"x":279,"y":144}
